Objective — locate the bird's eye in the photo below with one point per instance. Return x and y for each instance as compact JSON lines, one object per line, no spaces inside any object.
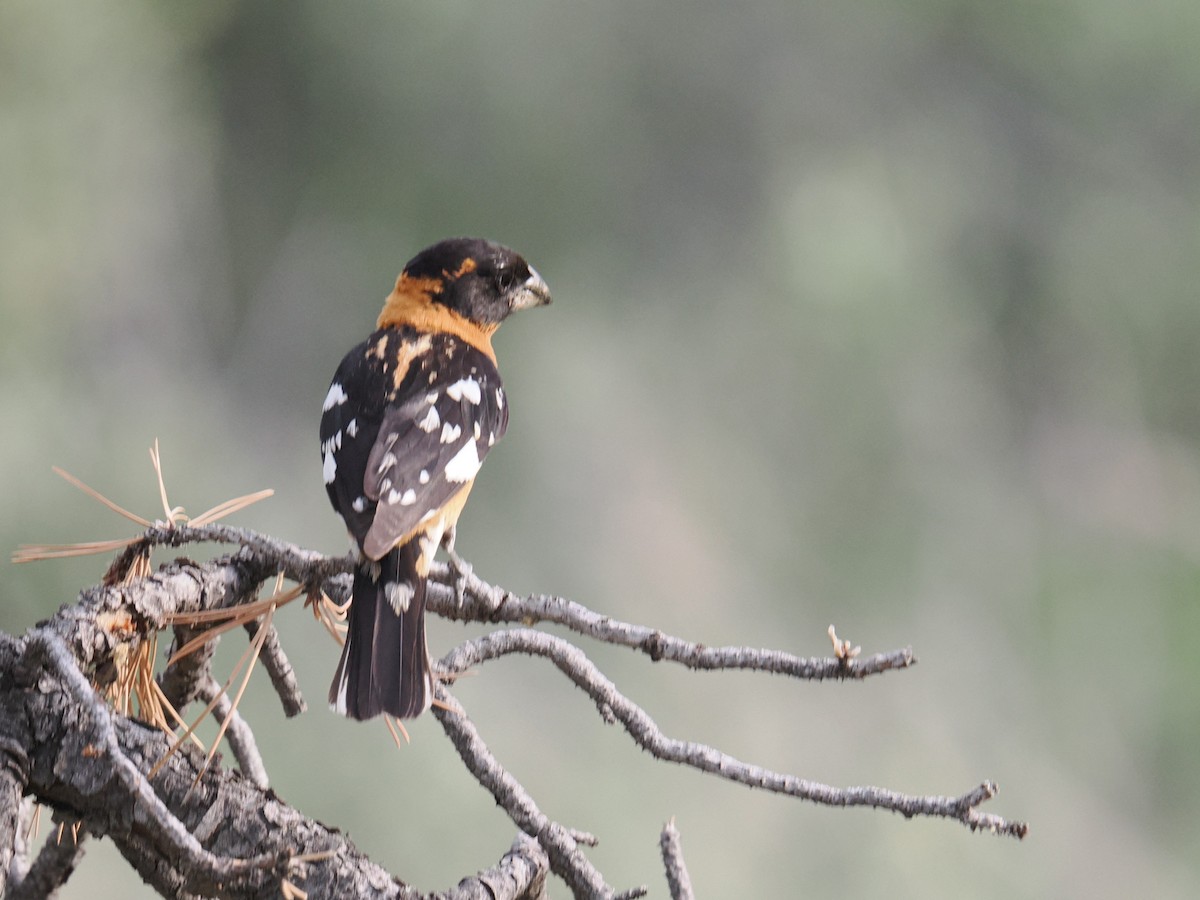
{"x":505,"y":278}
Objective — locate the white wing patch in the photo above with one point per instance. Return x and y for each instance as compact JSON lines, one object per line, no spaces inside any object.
{"x":465,"y":387}
{"x":430,"y":423}
{"x":389,"y":460}
{"x":450,"y":433}
{"x":329,"y":469}
{"x":464,"y":464}
{"x":335,"y":397}
{"x":334,"y":443}
{"x":408,"y":498}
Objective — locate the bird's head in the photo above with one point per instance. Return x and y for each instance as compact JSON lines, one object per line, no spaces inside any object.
{"x":478,"y":280}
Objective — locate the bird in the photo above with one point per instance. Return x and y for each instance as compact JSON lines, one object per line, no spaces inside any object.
{"x":409,"y":417}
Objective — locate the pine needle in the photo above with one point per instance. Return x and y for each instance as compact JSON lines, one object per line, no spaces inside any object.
{"x":256,"y":646}
{"x":35,"y":824}
{"x":291,"y":891}
{"x":173,"y":515}
{"x":96,"y":495}
{"x":203,"y":715}
{"x":221,"y":510}
{"x":235,"y":616}
{"x":139,"y":568}
{"x":146,"y":689}
{"x":229,"y":618}
{"x":36,"y":552}
{"x":170,"y":707}
{"x":121,"y":689}
{"x":135,"y":663}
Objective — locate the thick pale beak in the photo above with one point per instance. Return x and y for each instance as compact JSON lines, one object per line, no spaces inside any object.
{"x":530,"y":294}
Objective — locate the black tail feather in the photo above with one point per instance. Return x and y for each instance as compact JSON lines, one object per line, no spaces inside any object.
{"x":385,"y":665}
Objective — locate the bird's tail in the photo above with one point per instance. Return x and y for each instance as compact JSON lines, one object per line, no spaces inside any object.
{"x":385,"y":664}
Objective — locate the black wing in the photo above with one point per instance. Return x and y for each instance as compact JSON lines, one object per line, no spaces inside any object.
{"x":407,"y":423}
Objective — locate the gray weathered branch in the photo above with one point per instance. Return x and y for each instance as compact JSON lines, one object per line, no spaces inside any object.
{"x":613,"y":705}
{"x":192,"y":831}
{"x":678,"y":880}
{"x":225,"y":837}
{"x":463,"y":596}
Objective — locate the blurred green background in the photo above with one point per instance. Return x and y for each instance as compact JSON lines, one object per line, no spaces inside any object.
{"x":876,"y":314}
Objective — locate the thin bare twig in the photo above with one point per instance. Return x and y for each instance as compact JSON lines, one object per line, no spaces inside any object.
{"x":279,"y":670}
{"x":54,"y":864}
{"x":462,"y":595}
{"x":240,"y":736}
{"x":566,"y":859}
{"x":612,"y":704}
{"x":678,"y":880}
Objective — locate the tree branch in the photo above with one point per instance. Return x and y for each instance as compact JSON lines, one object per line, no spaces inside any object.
{"x":463,"y":596}
{"x":566,"y":859}
{"x":521,"y":873}
{"x":56,"y":862}
{"x":13,"y":779}
{"x":613,"y":705}
{"x":223,"y":837}
{"x":196,"y":830}
{"x":279,"y":670}
{"x":209,"y":868}
{"x":678,"y":880}
{"x":240,"y":737}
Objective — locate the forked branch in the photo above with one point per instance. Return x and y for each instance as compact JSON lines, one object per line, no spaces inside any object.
{"x":613,"y":705}
{"x":182,"y":813}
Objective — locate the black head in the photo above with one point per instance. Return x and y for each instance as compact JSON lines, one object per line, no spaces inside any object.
{"x":478,"y":279}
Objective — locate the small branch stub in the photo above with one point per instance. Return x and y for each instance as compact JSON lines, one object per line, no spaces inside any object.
{"x":678,"y":880}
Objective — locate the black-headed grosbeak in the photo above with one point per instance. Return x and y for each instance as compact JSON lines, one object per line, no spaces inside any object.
{"x":409,"y":417}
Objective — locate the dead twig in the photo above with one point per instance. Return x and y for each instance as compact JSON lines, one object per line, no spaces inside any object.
{"x":614,"y":706}
{"x":678,"y":880}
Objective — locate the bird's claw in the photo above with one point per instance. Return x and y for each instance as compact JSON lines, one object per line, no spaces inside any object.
{"x":463,"y":571}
